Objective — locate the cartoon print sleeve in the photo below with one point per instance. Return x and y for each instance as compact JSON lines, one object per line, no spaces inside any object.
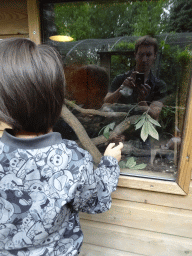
{"x":93,"y":195}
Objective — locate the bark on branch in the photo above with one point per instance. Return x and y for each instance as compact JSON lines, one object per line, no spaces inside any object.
{"x":90,"y":144}
{"x":119,"y":129}
{"x":93,"y":111}
{"x":81,"y":134}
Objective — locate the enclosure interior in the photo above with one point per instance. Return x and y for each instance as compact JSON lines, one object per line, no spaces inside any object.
{"x":104,"y":36}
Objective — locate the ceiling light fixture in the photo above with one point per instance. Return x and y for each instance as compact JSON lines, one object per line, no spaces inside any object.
{"x":59,"y":38}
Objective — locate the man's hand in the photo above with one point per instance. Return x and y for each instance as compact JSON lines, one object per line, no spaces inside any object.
{"x":143,"y":91}
{"x":130,"y":81}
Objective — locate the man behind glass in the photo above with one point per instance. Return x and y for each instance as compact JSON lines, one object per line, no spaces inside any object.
{"x":152,"y":92}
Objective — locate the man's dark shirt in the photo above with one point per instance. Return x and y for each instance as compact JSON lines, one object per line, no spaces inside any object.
{"x":157,"y":92}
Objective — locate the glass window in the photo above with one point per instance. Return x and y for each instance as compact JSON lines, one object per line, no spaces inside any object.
{"x":127,"y":77}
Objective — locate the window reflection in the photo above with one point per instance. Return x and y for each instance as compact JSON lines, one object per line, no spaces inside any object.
{"x":113,"y":68}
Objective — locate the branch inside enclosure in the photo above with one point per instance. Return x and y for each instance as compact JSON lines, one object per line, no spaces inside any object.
{"x":90,"y":143}
{"x":93,"y":111}
{"x":81,"y":134}
{"x":119,"y":129}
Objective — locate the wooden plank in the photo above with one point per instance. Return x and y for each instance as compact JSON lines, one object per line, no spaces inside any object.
{"x":146,"y":217}
{"x":154,"y":198}
{"x":93,"y":250}
{"x":186,"y":158}
{"x":148,"y":174}
{"x":13,"y":17}
{"x":105,"y":61}
{"x":12,"y":35}
{"x":150,"y":184}
{"x":135,"y":240}
{"x":34,"y":21}
{"x":3,"y":126}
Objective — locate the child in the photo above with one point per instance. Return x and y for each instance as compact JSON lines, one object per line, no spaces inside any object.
{"x":45,"y":181}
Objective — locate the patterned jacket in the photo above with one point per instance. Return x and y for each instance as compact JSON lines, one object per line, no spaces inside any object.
{"x":44,"y":183}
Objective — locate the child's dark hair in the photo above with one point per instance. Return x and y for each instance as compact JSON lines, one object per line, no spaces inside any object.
{"x":31,"y":85}
{"x":146,"y":40}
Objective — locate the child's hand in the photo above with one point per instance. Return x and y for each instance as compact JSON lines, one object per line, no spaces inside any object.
{"x":114,"y":151}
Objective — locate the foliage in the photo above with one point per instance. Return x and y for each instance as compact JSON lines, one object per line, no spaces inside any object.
{"x":170,"y":69}
{"x":86,"y":20}
{"x":180,"y":16}
{"x":167,"y":118}
{"x":119,"y":65}
{"x":78,"y":57}
{"x":146,"y":123}
{"x":106,"y":130}
{"x":184,"y":57}
{"x":124,"y":46}
{"x":131,"y":164}
{"x":122,"y":63}
{"x":149,"y":19}
{"x":173,"y":60}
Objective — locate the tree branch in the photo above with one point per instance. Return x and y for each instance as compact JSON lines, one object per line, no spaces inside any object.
{"x":119,"y":129}
{"x":93,"y":111}
{"x":81,"y":134}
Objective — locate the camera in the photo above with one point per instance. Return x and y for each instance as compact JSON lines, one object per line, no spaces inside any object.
{"x":139,"y":79}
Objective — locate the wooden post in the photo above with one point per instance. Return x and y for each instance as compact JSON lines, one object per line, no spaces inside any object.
{"x":34,"y":21}
{"x":105,"y":61}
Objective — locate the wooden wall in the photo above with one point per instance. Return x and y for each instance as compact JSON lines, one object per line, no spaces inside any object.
{"x":13,"y":23}
{"x":13,"y":18}
{"x":140,"y":223}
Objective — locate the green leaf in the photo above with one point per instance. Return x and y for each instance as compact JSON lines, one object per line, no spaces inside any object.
{"x":146,"y":116}
{"x":140,"y":124}
{"x":145,"y":131}
{"x":153,"y":121}
{"x":111,"y":125}
{"x":138,"y":119}
{"x":106,"y":132}
{"x":152,"y":131}
{"x":106,"y":129}
{"x":141,"y":117}
{"x":140,"y":166}
{"x":101,"y":130}
{"x":130,"y":162}
{"x":122,"y":164}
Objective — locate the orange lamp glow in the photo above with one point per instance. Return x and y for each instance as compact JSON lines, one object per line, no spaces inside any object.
{"x":59,"y":38}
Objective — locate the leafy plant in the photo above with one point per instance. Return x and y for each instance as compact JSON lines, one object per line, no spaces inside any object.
{"x":121,"y":63}
{"x":106,"y":130}
{"x":167,"y":118}
{"x":125,"y":46}
{"x":184,"y":57}
{"x":180,"y":16}
{"x":131,"y":164}
{"x":147,"y":125}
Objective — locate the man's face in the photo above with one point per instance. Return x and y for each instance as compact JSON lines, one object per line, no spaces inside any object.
{"x":145,"y":58}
